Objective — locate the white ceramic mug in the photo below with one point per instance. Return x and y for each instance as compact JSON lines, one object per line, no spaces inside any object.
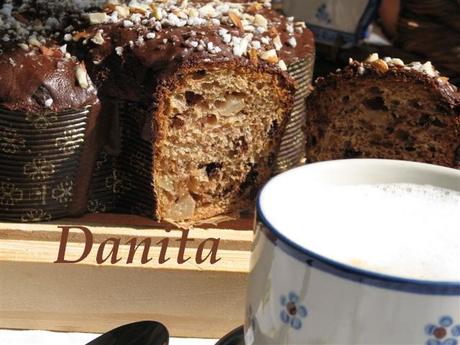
{"x":298,"y":297}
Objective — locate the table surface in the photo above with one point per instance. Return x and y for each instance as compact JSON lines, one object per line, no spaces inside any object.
{"x":53,"y":338}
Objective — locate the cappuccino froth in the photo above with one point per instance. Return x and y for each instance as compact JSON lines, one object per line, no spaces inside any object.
{"x":405,"y":230}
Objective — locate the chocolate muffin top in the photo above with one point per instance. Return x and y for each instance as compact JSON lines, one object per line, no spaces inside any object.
{"x":169,"y":30}
{"x":45,"y":44}
{"x":36,"y":71}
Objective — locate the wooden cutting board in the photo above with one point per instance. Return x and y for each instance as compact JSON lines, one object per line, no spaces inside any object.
{"x":192,"y":300}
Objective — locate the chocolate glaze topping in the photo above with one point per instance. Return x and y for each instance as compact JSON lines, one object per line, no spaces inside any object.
{"x":140,"y":41}
{"x":52,"y":51}
{"x":36,"y":72}
{"x":236,"y":30}
{"x":36,"y":82}
{"x":43,"y":42}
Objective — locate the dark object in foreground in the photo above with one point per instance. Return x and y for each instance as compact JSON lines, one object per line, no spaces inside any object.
{"x":154,"y":333}
{"x":139,"y":333}
{"x":236,"y":337}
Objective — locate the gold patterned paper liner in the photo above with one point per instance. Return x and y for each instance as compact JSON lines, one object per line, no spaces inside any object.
{"x":31,"y":215}
{"x":65,"y":137}
{"x":122,"y":184}
{"x":43,"y":121}
{"x":58,"y":157}
{"x":40,"y":133}
{"x":292,"y":149}
{"x":40,"y":155}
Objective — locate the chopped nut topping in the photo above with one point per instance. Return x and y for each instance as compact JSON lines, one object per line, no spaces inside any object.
{"x":23,"y":46}
{"x":150,"y":36}
{"x":255,"y":7}
{"x":270,"y":56}
{"x":383,"y":65}
{"x":119,"y":51}
{"x":98,"y":39}
{"x":82,"y":75}
{"x":33,"y":41}
{"x":372,"y":57}
{"x":79,"y":35}
{"x":98,"y":18}
{"x":257,"y":35}
{"x":128,"y":24}
{"x":292,"y":42}
{"x":49,"y":102}
{"x":156,"y":12}
{"x":260,"y":20}
{"x":443,"y":79}
{"x":253,"y":56}
{"x":277,"y":43}
{"x":282,"y":65}
{"x":273,"y":32}
{"x":380,"y":65}
{"x":51,"y":52}
{"x":123,"y":11}
{"x":240,"y":46}
{"x":236,"y":20}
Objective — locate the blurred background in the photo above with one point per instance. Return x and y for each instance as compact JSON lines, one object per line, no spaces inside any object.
{"x":412,"y":30}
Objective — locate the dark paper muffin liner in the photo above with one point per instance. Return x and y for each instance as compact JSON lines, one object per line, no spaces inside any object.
{"x":40,"y":156}
{"x":292,"y":149}
{"x":123,"y":183}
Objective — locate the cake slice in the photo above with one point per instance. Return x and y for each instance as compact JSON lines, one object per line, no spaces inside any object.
{"x":218,"y":129}
{"x":383,"y":108}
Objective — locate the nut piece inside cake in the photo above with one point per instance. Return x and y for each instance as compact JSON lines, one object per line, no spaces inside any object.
{"x":217,"y":139}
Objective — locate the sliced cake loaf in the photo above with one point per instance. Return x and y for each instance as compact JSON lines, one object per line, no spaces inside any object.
{"x":382,"y":108}
{"x":210,"y":84}
{"x":194,"y":99}
{"x":218,"y":130}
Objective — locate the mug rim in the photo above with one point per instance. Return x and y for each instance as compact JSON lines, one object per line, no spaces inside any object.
{"x":350,"y":272}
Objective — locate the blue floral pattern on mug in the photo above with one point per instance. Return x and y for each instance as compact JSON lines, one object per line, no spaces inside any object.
{"x":293,"y":312}
{"x":250,"y":319}
{"x":444,"y":333}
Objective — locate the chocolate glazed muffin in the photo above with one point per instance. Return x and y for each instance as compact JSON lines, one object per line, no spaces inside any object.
{"x":383,"y":108}
{"x":202,"y":94}
{"x":48,"y":121}
{"x":195,"y":97}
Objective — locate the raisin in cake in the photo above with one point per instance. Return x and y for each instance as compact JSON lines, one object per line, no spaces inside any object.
{"x":382,"y":108}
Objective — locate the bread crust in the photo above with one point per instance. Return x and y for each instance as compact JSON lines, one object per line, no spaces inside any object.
{"x":448,"y":93}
